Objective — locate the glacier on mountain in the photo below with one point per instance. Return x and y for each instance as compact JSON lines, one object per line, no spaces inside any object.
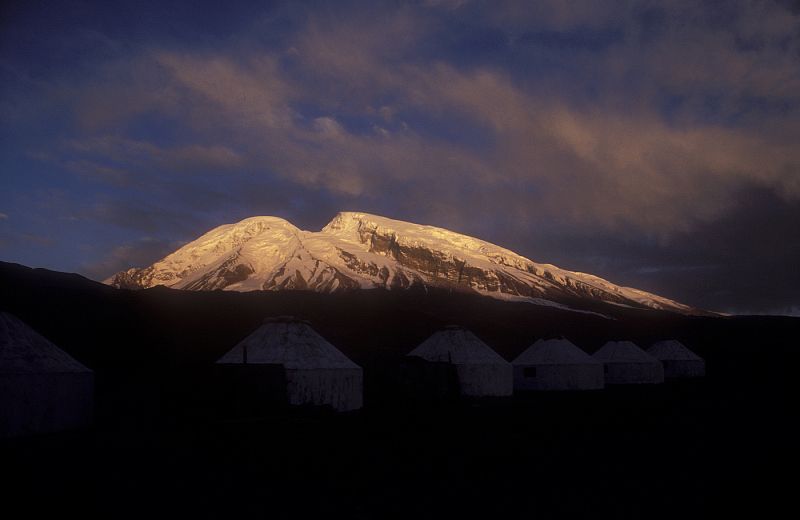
{"x":363,"y":251}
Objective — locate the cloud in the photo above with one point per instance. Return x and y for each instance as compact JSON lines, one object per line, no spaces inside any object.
{"x":601,"y":166}
{"x":140,"y":216}
{"x":3,"y":216}
{"x":12,"y":239}
{"x":138,"y":253}
{"x":256,"y":93}
{"x":446,"y":4}
{"x":556,"y":15}
{"x":631,"y":119}
{"x":99,"y":172}
{"x":137,"y":155}
{"x":740,"y":263}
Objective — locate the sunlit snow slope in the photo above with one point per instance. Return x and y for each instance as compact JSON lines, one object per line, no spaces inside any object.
{"x":362,"y":251}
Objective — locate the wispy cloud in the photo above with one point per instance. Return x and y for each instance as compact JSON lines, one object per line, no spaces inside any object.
{"x":139,"y":253}
{"x":600,"y":165}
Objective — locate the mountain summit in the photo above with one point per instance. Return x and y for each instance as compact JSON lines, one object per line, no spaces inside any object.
{"x":362,"y":251}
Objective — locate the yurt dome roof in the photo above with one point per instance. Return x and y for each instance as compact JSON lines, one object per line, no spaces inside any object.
{"x":458,"y":346}
{"x":623,"y":352}
{"x":23,"y":350}
{"x":558,"y":351}
{"x":291,"y":343}
{"x":672,"y":350}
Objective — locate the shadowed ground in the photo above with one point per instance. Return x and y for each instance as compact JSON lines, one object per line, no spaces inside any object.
{"x":161,"y":446}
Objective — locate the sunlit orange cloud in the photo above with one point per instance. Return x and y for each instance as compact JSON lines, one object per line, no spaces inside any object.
{"x":546,"y":126}
{"x":604,"y":164}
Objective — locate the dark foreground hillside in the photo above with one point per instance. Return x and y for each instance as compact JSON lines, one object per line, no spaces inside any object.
{"x":161,"y":445}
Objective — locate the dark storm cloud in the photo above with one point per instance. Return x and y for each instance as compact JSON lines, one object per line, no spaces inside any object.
{"x":744,"y":262}
{"x":750,"y":257}
{"x":620,"y":138}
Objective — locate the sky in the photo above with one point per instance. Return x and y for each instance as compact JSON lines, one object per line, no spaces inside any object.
{"x":655,"y":144}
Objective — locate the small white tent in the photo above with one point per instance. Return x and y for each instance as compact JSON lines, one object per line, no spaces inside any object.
{"x":556,"y":364}
{"x":42,"y":388}
{"x":479,"y":369}
{"x":316,"y":372}
{"x":678,"y":360}
{"x":625,"y":363}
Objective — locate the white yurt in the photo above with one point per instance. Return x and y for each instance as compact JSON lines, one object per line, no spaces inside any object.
{"x":479,"y":369}
{"x":42,"y":388}
{"x":315,"y":371}
{"x":556,"y":364}
{"x":678,"y":360}
{"x":626,"y":363}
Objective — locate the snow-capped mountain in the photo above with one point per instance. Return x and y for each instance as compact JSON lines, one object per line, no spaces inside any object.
{"x":362,"y":251}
